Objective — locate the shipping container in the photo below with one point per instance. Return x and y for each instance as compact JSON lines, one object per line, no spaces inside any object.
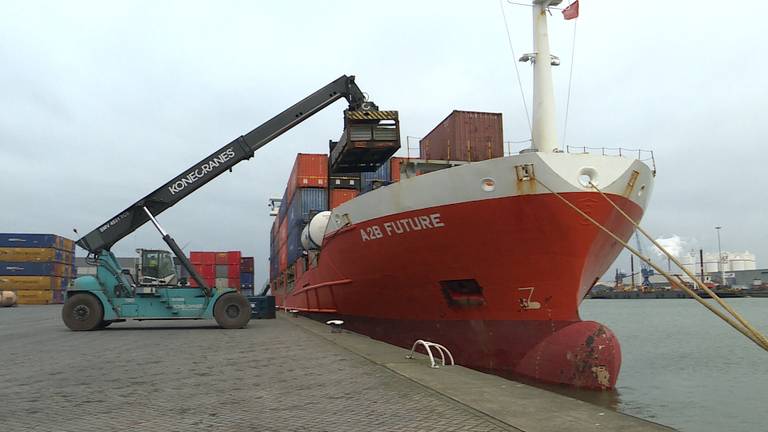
{"x":246,"y":264}
{"x":210,"y":281}
{"x":346,"y":181}
{"x":294,"y":244}
{"x":14,"y":240}
{"x":465,"y":136}
{"x":246,"y":280}
{"x":36,"y":269}
{"x":35,"y":255}
{"x":307,"y":203}
{"x":233,"y":271}
{"x":395,"y":165}
{"x":234,"y":282}
{"x":340,"y":196}
{"x":205,"y":258}
{"x":13,"y":283}
{"x":228,"y":258}
{"x":372,"y":180}
{"x":222,"y":271}
{"x":222,"y":283}
{"x":35,"y":297}
{"x":369,"y":139}
{"x":206,"y":270}
{"x":309,"y":171}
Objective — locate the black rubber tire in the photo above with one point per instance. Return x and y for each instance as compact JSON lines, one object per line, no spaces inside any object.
{"x":82,"y":312}
{"x":232,"y":311}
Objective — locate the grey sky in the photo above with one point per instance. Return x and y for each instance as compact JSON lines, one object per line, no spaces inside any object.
{"x":102,"y":102}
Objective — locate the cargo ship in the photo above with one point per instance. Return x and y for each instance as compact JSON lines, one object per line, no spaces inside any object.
{"x":463,"y":246}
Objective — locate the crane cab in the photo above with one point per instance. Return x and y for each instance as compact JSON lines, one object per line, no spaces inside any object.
{"x":155,"y":267}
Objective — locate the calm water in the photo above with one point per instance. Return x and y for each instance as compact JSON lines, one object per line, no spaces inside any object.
{"x":683,"y":366}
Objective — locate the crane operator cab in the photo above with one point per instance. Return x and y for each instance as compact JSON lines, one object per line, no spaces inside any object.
{"x":155,"y":267}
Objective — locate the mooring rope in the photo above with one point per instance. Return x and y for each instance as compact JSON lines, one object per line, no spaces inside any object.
{"x":693,"y":277}
{"x":751,"y":334}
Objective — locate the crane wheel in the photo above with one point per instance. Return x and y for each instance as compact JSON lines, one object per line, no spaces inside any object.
{"x":232,"y":311}
{"x":82,"y":312}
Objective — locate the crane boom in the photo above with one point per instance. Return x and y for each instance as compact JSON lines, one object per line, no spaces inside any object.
{"x":220,"y":161}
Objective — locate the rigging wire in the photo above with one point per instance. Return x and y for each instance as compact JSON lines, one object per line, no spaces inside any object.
{"x":517,"y":70}
{"x":570,"y":80}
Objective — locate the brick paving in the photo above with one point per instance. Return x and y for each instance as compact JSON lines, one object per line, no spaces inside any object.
{"x":191,"y":375}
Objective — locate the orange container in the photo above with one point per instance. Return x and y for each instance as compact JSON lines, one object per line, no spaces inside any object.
{"x":309,"y":170}
{"x":340,"y":196}
{"x":394,"y":167}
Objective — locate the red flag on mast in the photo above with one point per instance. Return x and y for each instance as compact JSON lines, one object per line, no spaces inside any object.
{"x":572,"y":11}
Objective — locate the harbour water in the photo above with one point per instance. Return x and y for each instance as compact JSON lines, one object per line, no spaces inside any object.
{"x":684,"y":367}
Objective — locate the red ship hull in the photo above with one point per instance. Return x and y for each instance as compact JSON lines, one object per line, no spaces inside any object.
{"x":496,"y":281}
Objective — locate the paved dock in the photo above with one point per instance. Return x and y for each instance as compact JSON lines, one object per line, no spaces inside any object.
{"x":288,"y":374}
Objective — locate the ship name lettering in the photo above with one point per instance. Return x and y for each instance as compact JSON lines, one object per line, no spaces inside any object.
{"x":401,"y":226}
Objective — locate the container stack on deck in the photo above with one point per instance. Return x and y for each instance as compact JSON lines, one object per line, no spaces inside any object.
{"x":37,"y":267}
{"x":306,"y":194}
{"x":317,"y":183}
{"x":309,"y":191}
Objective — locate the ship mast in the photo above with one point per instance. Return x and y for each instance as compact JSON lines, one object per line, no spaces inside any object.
{"x":544,"y":132}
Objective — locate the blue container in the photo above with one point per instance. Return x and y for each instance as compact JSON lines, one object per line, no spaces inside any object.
{"x":306,"y":202}
{"x":380,"y":177}
{"x":246,"y":280}
{"x":30,"y":240}
{"x":295,"y":248}
{"x":33,"y":269}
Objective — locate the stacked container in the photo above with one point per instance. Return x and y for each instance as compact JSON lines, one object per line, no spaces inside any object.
{"x":306,"y":194}
{"x":246,"y":275}
{"x":218,"y":269}
{"x":372,"y":180}
{"x":465,"y":136}
{"x":37,"y":267}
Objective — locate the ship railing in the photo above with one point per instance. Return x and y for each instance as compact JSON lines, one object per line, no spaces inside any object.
{"x":428,"y":347}
{"x":645,"y":156}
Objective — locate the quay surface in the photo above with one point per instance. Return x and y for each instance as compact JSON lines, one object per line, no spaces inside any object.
{"x":288,"y":374}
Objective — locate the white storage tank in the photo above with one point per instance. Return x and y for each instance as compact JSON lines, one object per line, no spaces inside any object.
{"x":741,"y":261}
{"x":711,"y":264}
{"x":313,"y":233}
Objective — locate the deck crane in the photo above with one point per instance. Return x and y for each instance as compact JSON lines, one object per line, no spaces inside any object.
{"x":113,"y":296}
{"x":645,"y":270}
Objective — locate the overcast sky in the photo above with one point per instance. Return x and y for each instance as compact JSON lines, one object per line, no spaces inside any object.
{"x":102,"y":102}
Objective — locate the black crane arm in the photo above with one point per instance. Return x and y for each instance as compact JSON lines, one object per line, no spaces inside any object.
{"x":218,"y":162}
